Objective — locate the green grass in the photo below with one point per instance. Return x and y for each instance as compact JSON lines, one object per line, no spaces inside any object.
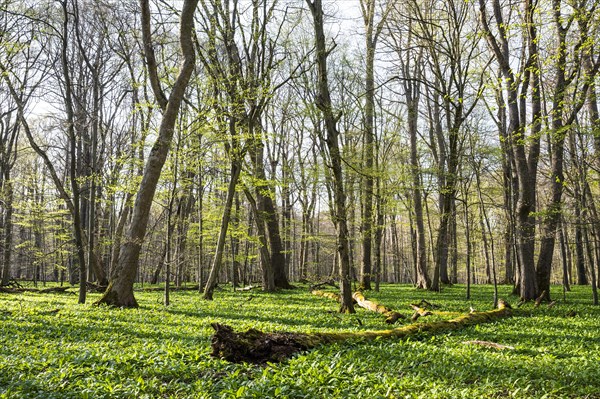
{"x":155,"y":352}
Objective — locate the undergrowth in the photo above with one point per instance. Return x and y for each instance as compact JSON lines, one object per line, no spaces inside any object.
{"x":51,"y":347}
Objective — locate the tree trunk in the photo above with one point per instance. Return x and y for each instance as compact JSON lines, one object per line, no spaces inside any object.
{"x":218,"y":258}
{"x":7,"y":196}
{"x":120,"y":289}
{"x":255,"y":346}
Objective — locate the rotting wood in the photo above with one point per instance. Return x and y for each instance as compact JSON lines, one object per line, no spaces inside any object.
{"x":49,"y":290}
{"x":330,"y":282}
{"x":419,"y":312}
{"x":254,"y":346}
{"x":161,"y":289}
{"x":247,"y":288}
{"x":326,"y":294}
{"x":391,"y":316}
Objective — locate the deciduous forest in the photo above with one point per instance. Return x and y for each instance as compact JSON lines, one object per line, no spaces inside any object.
{"x":231,"y":198}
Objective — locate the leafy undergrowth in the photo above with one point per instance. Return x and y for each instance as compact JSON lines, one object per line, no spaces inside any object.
{"x":50,"y":347}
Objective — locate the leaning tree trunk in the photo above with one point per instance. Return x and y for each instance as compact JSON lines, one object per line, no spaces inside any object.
{"x":254,"y":346}
{"x":218,"y":257}
{"x":120,"y":288}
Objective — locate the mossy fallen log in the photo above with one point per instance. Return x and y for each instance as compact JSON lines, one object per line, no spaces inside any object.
{"x":326,"y":294}
{"x":419,"y":312}
{"x":254,"y":346}
{"x":172,"y":288}
{"x":391,"y":316}
{"x":50,"y":290}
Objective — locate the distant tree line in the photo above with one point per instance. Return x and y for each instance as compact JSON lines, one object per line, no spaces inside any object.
{"x":274,"y":141}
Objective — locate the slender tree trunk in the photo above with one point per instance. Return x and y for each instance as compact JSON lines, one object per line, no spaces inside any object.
{"x":323,"y":102}
{"x":371,"y":37}
{"x":218,"y":258}
{"x":7,"y":192}
{"x":564,"y":256}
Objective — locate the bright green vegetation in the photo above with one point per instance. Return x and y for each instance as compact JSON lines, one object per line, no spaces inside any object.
{"x":157,"y":352}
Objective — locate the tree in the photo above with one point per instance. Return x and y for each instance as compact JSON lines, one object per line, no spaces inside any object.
{"x":525,"y":152}
{"x":120,"y":289}
{"x":331,"y":142}
{"x":372,"y":32}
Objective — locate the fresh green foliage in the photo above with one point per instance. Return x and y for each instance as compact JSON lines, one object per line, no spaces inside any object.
{"x":50,"y":347}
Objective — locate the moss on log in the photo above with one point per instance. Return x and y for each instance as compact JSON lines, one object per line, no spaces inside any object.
{"x":326,"y":294}
{"x":391,"y":316}
{"x":254,"y":346}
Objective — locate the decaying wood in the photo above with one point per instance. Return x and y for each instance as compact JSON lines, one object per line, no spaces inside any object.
{"x":489,"y":344}
{"x":330,"y":283}
{"x":254,"y":346}
{"x":172,"y":288}
{"x":427,"y":305}
{"x":419,"y":311}
{"x":326,"y":294}
{"x":391,"y":316}
{"x":572,"y":313}
{"x":93,"y":287}
{"x":247,"y":288}
{"x":50,"y":290}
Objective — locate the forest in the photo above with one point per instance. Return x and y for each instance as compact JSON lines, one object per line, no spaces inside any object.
{"x":179,"y":156}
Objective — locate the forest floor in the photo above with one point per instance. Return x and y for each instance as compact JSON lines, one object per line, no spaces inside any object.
{"x":51,"y":347}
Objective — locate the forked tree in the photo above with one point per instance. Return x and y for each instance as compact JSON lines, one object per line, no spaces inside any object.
{"x":120,"y":288}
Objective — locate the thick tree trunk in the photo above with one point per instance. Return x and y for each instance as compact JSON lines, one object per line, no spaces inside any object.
{"x":120,"y":288}
{"x":371,"y":36}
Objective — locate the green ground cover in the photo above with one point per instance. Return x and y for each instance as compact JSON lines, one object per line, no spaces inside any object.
{"x":50,"y":347}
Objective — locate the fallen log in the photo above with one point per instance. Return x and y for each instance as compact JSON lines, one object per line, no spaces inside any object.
{"x":172,"y":288}
{"x":419,"y":312}
{"x":321,"y":284}
{"x":254,"y":346}
{"x":326,"y":294}
{"x":50,"y":290}
{"x":246,"y":288}
{"x":391,"y":316}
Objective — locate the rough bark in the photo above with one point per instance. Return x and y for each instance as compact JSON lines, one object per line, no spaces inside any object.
{"x":120,"y":288}
{"x":254,"y":346}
